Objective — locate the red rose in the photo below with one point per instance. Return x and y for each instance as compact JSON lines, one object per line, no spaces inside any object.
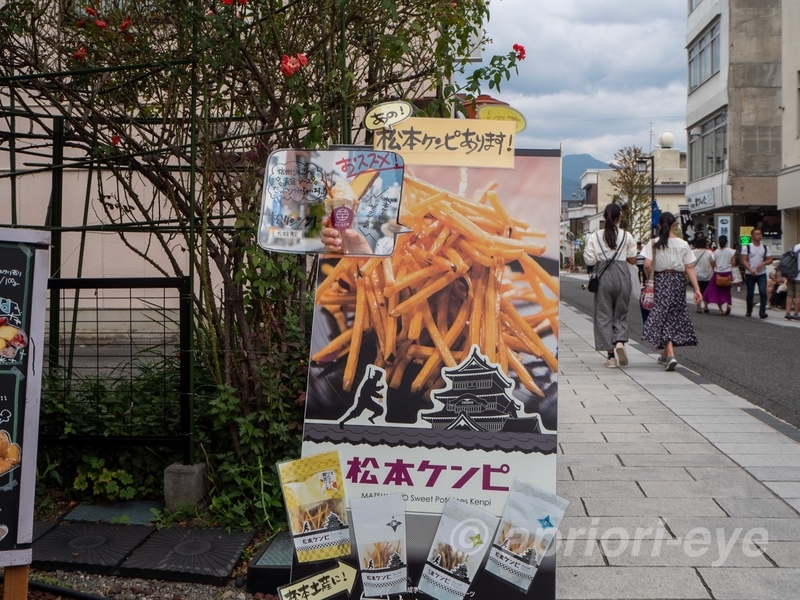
{"x":242,"y":1}
{"x":80,"y":24}
{"x":101,"y":24}
{"x":301,"y":58}
{"x":79,"y":54}
{"x":115,"y":139}
{"x":520,"y":50}
{"x":91,"y":11}
{"x":126,"y":23}
{"x":228,"y":2}
{"x":289,"y":65}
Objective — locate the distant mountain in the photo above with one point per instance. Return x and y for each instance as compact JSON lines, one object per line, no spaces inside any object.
{"x":572,"y":167}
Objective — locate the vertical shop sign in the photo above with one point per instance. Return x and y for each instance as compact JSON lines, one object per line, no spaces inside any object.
{"x":434,"y":370}
{"x":23,"y":290}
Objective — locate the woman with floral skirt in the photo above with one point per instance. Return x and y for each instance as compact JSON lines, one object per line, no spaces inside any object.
{"x":670,"y":260}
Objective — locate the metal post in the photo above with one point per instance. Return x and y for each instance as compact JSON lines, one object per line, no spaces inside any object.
{"x":652,"y":189}
{"x":54,"y":223}
{"x":186,"y":359}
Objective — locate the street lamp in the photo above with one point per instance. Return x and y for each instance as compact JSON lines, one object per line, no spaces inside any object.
{"x":641,"y":167}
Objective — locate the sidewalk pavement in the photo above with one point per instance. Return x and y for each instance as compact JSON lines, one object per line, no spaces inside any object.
{"x":678,"y":488}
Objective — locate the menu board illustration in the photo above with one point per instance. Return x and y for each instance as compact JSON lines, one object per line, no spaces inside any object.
{"x":23,"y":280}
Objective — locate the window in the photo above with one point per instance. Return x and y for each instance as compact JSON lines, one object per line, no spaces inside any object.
{"x":704,"y":57}
{"x":708,"y":147}
{"x":798,"y":104}
{"x":693,"y":4}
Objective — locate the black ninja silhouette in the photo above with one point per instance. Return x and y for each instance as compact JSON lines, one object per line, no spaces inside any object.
{"x":371,"y":390}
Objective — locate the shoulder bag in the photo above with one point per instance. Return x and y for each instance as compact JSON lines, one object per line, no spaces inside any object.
{"x":648,"y":297}
{"x":594,"y":278}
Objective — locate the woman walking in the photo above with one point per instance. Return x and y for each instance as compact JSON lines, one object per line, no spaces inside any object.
{"x":702,"y":268}
{"x":610,"y":250}
{"x":672,"y":261}
{"x":723,"y":261}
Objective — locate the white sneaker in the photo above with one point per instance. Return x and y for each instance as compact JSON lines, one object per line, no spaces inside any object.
{"x":611,"y":363}
{"x":621,"y":354}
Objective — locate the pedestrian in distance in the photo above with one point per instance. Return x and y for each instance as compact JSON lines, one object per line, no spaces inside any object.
{"x":670,"y":260}
{"x":640,"y":263}
{"x":793,"y":291}
{"x":703,"y":268}
{"x":609,"y":251}
{"x":755,"y":258}
{"x":718,"y":291}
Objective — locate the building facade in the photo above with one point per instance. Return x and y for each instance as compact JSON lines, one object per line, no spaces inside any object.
{"x":789,"y":176}
{"x":733,"y":116}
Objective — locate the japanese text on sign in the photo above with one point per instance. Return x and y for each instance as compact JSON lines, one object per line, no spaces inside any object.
{"x":456,"y":142}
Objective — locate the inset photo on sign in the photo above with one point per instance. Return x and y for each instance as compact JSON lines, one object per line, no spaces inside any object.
{"x":331,"y":201}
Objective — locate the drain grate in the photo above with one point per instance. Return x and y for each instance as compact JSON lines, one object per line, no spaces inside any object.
{"x":93,"y":548}
{"x":128,"y":513}
{"x":195,"y":555}
{"x":272,"y":567}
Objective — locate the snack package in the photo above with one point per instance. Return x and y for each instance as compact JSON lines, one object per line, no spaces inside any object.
{"x":458,"y":549}
{"x":529,"y":524}
{"x":380,"y":528}
{"x":313,"y":489}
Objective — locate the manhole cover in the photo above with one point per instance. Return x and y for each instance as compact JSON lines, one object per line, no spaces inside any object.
{"x":196,"y":555}
{"x":93,"y":548}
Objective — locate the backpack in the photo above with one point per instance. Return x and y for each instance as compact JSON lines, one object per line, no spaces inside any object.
{"x":789,"y":264}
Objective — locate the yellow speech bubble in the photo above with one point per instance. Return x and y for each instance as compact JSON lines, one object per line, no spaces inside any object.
{"x":502,"y":113}
{"x":387,"y":114}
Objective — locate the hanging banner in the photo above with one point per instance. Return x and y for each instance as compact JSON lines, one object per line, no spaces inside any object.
{"x":451,"y":142}
{"x":23,"y":291}
{"x":434,"y":371}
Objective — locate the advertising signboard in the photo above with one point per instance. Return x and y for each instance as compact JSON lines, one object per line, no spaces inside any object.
{"x":434,"y":370}
{"x":23,"y":290}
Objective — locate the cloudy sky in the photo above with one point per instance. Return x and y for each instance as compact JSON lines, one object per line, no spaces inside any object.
{"x":599,"y":74}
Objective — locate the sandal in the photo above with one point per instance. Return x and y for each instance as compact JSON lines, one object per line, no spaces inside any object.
{"x":728,"y":310}
{"x":699,"y":310}
{"x":705,"y":309}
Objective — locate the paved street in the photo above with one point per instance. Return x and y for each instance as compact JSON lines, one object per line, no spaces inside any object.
{"x":678,"y":489}
{"x":752,"y":358}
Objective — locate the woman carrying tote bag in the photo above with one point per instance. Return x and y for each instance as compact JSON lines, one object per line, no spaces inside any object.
{"x":668,"y":324}
{"x":610,"y":250}
{"x":719,"y":288}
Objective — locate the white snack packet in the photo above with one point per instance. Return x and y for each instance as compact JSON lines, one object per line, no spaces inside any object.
{"x":380,"y":528}
{"x":529,"y":524}
{"x":458,"y":549}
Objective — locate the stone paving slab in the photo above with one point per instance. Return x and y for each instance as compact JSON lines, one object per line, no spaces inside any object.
{"x":690,"y":448}
{"x":606,"y":448}
{"x":676,"y":460}
{"x":766,"y":460}
{"x":599,"y":489}
{"x":752,"y":584}
{"x":701,"y":550}
{"x":774,"y":449}
{"x":568,"y":428}
{"x":751,"y":427}
{"x":785,"y":489}
{"x":655,"y":437}
{"x":704,"y":489}
{"x":784,"y":554}
{"x":756,"y":507}
{"x":621,"y":583}
{"x":620,"y":507}
{"x":593,"y":528}
{"x":592,"y":460}
{"x":768,"y":437}
{"x":588,"y":473}
{"x":779,"y":530}
{"x":775,"y":473}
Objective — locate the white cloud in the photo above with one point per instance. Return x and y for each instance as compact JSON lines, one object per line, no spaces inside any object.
{"x":597,"y":72}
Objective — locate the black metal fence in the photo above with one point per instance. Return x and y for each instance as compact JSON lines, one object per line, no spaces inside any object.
{"x":119,"y":368}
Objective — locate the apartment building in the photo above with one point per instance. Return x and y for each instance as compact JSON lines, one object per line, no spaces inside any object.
{"x":789,"y":176}
{"x":733,"y":114}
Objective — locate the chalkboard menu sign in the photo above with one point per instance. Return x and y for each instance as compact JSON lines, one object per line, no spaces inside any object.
{"x":23,"y":290}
